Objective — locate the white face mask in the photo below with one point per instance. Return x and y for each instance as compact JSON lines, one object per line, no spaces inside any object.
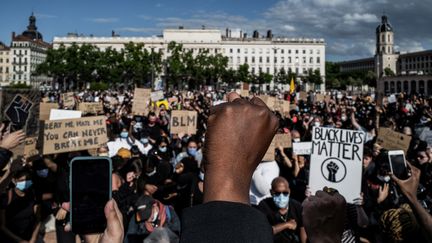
{"x":296,"y":140}
{"x":201,"y":176}
{"x":317,"y":124}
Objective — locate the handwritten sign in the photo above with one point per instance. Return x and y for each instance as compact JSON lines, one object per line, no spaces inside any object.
{"x":319,"y":97}
{"x":270,"y":153}
{"x":283,"y":140}
{"x":336,"y":161}
{"x":302,"y":148}
{"x":303,"y":96}
{"x":141,"y":101}
{"x":157,"y":95}
{"x":74,"y":134}
{"x":45,"y":110}
{"x":184,"y":122}
{"x":30,"y":149}
{"x":281,"y":105}
{"x":268,"y":100}
{"x":68,"y":99}
{"x":90,"y":108}
{"x":392,"y":140}
{"x":242,"y":92}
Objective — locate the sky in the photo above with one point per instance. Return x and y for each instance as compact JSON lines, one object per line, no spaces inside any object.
{"x":348,"y":27}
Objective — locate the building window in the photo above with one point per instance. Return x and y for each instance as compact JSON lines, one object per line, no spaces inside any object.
{"x":275,"y":59}
{"x":289,"y":59}
{"x":268,"y":70}
{"x":238,"y":50}
{"x":253,"y":70}
{"x":304,"y":59}
{"x":282,"y":51}
{"x":260,"y":70}
{"x":399,"y":87}
{"x":238,"y":59}
{"x":253,"y":50}
{"x":304,"y":51}
{"x":253,"y":59}
{"x":260,"y":59}
{"x":231,"y":50}
{"x":282,"y":59}
{"x":268,"y":59}
{"x":318,"y":60}
{"x":245,"y":50}
{"x":311,"y":60}
{"x":386,"y":87}
{"x":296,"y":52}
{"x":7,"y":69}
{"x":289,"y":51}
{"x":275,"y":51}
{"x":421,"y":87}
{"x":405,"y":86}
{"x":1,"y":60}
{"x":413,"y":87}
{"x":311,"y":51}
{"x":296,"y":60}
{"x":245,"y":59}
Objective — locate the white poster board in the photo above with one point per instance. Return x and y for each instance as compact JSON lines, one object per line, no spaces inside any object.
{"x":56,"y":114}
{"x":302,"y":148}
{"x":336,"y":161}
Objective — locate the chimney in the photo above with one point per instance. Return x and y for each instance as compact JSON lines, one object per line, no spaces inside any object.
{"x":255,"y":34}
{"x":245,"y":35}
{"x":269,"y":34}
{"x":112,"y":33}
{"x":226,"y":32}
{"x":13,"y":35}
{"x":229,"y":33}
{"x":241,"y":34}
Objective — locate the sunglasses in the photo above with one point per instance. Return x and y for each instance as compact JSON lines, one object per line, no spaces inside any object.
{"x":279,"y":193}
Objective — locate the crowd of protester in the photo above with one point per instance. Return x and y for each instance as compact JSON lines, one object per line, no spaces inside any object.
{"x":157,"y":174}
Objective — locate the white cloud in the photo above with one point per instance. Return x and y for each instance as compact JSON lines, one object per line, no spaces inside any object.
{"x":288,"y":27}
{"x":356,"y":18}
{"x":104,"y":20}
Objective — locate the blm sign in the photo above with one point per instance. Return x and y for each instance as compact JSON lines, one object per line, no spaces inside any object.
{"x":336,"y":161}
{"x":184,"y":122}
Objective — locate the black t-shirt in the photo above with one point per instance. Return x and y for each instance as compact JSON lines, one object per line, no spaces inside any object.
{"x":224,"y":222}
{"x":270,"y":210}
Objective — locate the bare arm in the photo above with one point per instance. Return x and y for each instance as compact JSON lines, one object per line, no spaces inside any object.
{"x":353,"y":119}
{"x":303,"y":236}
{"x":50,"y":164}
{"x":409,"y":189}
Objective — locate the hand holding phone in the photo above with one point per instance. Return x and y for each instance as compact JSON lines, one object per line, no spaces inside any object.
{"x":398,"y":166}
{"x":90,"y":190}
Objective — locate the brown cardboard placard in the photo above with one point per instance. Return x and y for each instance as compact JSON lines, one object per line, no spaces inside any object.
{"x":184,"y":122}
{"x":392,"y":140}
{"x":319,"y":97}
{"x":91,"y":108}
{"x":73,"y":134}
{"x":270,"y":153}
{"x":303,"y":96}
{"x":283,"y":140}
{"x":45,"y":100}
{"x":268,"y":100}
{"x":141,"y":101}
{"x":281,"y":105}
{"x":45,"y":109}
{"x":68,"y":99}
{"x":30,"y":148}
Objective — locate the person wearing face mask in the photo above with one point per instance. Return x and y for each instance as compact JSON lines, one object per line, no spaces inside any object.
{"x":144,"y":146}
{"x":151,"y":129}
{"x":123,"y":141}
{"x":151,"y":220}
{"x":19,"y":211}
{"x":191,"y":151}
{"x":283,"y":213}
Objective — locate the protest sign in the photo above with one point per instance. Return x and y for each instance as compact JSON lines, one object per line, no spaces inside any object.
{"x":319,"y":98}
{"x":30,"y":148}
{"x":282,"y":140}
{"x":268,"y":100}
{"x":303,"y":96}
{"x":302,"y":148}
{"x":327,"y":98}
{"x":157,"y":95}
{"x":392,"y":140}
{"x":281,"y":106}
{"x":73,"y":134}
{"x":90,"y":108}
{"x":424,"y":134}
{"x":392,"y":99}
{"x":45,"y":100}
{"x":336,"y":161}
{"x":270,"y":153}
{"x":184,"y":122}
{"x":141,"y":101}
{"x":56,"y":114}
{"x":45,"y":110}
{"x":242,"y":92}
{"x":21,"y":108}
{"x":68,"y":99}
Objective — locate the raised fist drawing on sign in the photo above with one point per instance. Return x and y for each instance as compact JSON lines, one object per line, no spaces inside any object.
{"x":18,"y":112}
{"x":332,"y":169}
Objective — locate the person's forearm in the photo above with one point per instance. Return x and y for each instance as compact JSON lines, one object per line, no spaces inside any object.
{"x":50,"y":164}
{"x":279,"y":228}
{"x":35,"y":233}
{"x":423,"y":217}
{"x":354,"y":121}
{"x":303,"y":236}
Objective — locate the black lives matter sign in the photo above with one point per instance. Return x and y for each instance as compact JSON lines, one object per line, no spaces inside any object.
{"x":184,"y":122}
{"x":336,"y":161}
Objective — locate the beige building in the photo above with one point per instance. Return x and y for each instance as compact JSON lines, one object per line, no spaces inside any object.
{"x":5,"y":64}
{"x":412,"y":71}
{"x":262,"y":53}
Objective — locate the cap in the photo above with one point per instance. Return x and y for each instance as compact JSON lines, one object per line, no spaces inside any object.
{"x":143,"y":208}
{"x":124,"y":153}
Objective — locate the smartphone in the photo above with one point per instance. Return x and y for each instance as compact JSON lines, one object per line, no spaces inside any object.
{"x":398,"y":166}
{"x":90,"y":190}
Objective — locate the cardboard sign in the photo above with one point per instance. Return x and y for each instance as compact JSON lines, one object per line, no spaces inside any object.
{"x":157,"y":95}
{"x":268,"y":100}
{"x":302,"y":148}
{"x":270,"y":154}
{"x":336,"y":161}
{"x":303,"y":96}
{"x":68,"y":99}
{"x":283,"y":140}
{"x":327,"y":98}
{"x":18,"y":112}
{"x":30,"y":149}
{"x":392,"y":99}
{"x":242,"y":92}
{"x":45,"y":110}
{"x":73,"y":134}
{"x":141,"y":101}
{"x":281,"y":105}
{"x":392,"y":140}
{"x":45,"y":100}
{"x":90,"y":108}
{"x":319,"y":98}
{"x":184,"y":122}
{"x":56,"y":114}
{"x":15,"y":108}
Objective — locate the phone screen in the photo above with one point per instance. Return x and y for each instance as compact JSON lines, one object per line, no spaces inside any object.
{"x":90,"y":191}
{"x":398,"y":166}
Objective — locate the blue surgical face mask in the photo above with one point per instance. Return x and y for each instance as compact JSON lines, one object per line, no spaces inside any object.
{"x":192,"y":151}
{"x":163,"y":149}
{"x":144,"y":140}
{"x":201,"y":176}
{"x":124,"y":134}
{"x":24,"y":185}
{"x":42,"y":173}
{"x":281,"y":200}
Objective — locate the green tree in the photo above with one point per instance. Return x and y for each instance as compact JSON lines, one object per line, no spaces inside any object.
{"x":389,"y":72}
